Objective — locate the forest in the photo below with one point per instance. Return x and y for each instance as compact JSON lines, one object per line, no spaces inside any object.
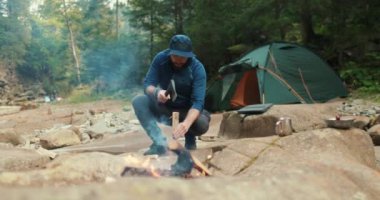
{"x":109,"y":44}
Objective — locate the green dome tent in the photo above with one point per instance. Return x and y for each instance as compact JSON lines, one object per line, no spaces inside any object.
{"x":278,"y":73}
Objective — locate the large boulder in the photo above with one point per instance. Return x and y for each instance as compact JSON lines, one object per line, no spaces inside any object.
{"x":361,"y":122}
{"x":339,"y":164}
{"x":304,"y":117}
{"x":59,"y":138}
{"x":376,"y":120}
{"x":9,"y":135}
{"x":15,"y":159}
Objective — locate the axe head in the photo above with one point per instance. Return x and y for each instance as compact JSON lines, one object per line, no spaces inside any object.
{"x":171,"y":90}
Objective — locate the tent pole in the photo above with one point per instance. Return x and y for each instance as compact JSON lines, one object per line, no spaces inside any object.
{"x":305,"y":86}
{"x":284,"y":82}
{"x":263,"y":99}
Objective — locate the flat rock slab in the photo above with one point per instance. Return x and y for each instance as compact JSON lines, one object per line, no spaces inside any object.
{"x":115,"y":144}
{"x":86,"y":167}
{"x":320,"y":164}
{"x":15,"y":159}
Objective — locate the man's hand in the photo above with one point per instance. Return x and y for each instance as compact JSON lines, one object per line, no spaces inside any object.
{"x":181,"y":130}
{"x":184,"y":126}
{"x":161,"y":97}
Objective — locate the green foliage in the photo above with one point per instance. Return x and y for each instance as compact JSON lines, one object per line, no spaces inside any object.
{"x":88,"y":93}
{"x":82,"y":94}
{"x":345,"y":33}
{"x":13,"y":33}
{"x":364,"y":79}
{"x":46,"y":60}
{"x":369,"y":96}
{"x":210,"y":30}
{"x":96,"y":23}
{"x":12,"y":41}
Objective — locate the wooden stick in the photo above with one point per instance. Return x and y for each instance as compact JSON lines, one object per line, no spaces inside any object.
{"x":198,"y":165}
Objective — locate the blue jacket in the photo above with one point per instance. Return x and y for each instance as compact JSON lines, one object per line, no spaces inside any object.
{"x":190,"y":81}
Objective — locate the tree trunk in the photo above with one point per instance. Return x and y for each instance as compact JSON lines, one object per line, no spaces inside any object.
{"x":72,"y":43}
{"x":151,"y":30}
{"x":307,"y":29}
{"x":178,"y":16}
{"x":278,"y":9}
{"x":117,"y":19}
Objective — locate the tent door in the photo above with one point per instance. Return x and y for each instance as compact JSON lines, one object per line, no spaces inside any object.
{"x":247,"y":91}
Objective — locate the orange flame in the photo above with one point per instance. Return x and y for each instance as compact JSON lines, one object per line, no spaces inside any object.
{"x":154,"y":172}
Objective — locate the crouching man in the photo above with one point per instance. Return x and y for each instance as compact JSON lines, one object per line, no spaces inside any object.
{"x":177,"y":64}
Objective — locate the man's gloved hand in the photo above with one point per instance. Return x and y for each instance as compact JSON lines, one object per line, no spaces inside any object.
{"x":161,"y":96}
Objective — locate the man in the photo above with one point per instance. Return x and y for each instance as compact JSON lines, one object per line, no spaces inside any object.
{"x":178,"y":63}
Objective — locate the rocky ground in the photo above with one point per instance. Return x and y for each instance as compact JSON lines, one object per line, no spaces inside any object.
{"x":79,"y":152}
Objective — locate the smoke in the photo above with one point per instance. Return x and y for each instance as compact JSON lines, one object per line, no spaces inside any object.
{"x":113,"y":66}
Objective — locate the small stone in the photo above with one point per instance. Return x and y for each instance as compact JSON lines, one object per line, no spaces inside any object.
{"x":79,"y":112}
{"x":109,"y":179}
{"x":371,"y":112}
{"x":45,"y":152}
{"x":35,"y":140}
{"x":92,"y":112}
{"x":94,"y":135}
{"x":127,"y":108}
{"x":358,"y":102}
{"x":134,"y":121}
{"x":85,"y":138}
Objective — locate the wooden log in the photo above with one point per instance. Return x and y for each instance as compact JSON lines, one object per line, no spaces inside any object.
{"x":175,"y":120}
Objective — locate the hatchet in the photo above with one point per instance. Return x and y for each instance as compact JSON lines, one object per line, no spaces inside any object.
{"x":171,"y":90}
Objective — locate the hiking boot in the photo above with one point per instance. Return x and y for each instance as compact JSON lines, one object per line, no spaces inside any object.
{"x":156,"y":150}
{"x":190,"y":142}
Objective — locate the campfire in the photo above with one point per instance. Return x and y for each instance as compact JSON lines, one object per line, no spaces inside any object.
{"x":183,"y":166}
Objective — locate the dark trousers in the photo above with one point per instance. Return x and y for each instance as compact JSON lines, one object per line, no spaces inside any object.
{"x":149,"y":112}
